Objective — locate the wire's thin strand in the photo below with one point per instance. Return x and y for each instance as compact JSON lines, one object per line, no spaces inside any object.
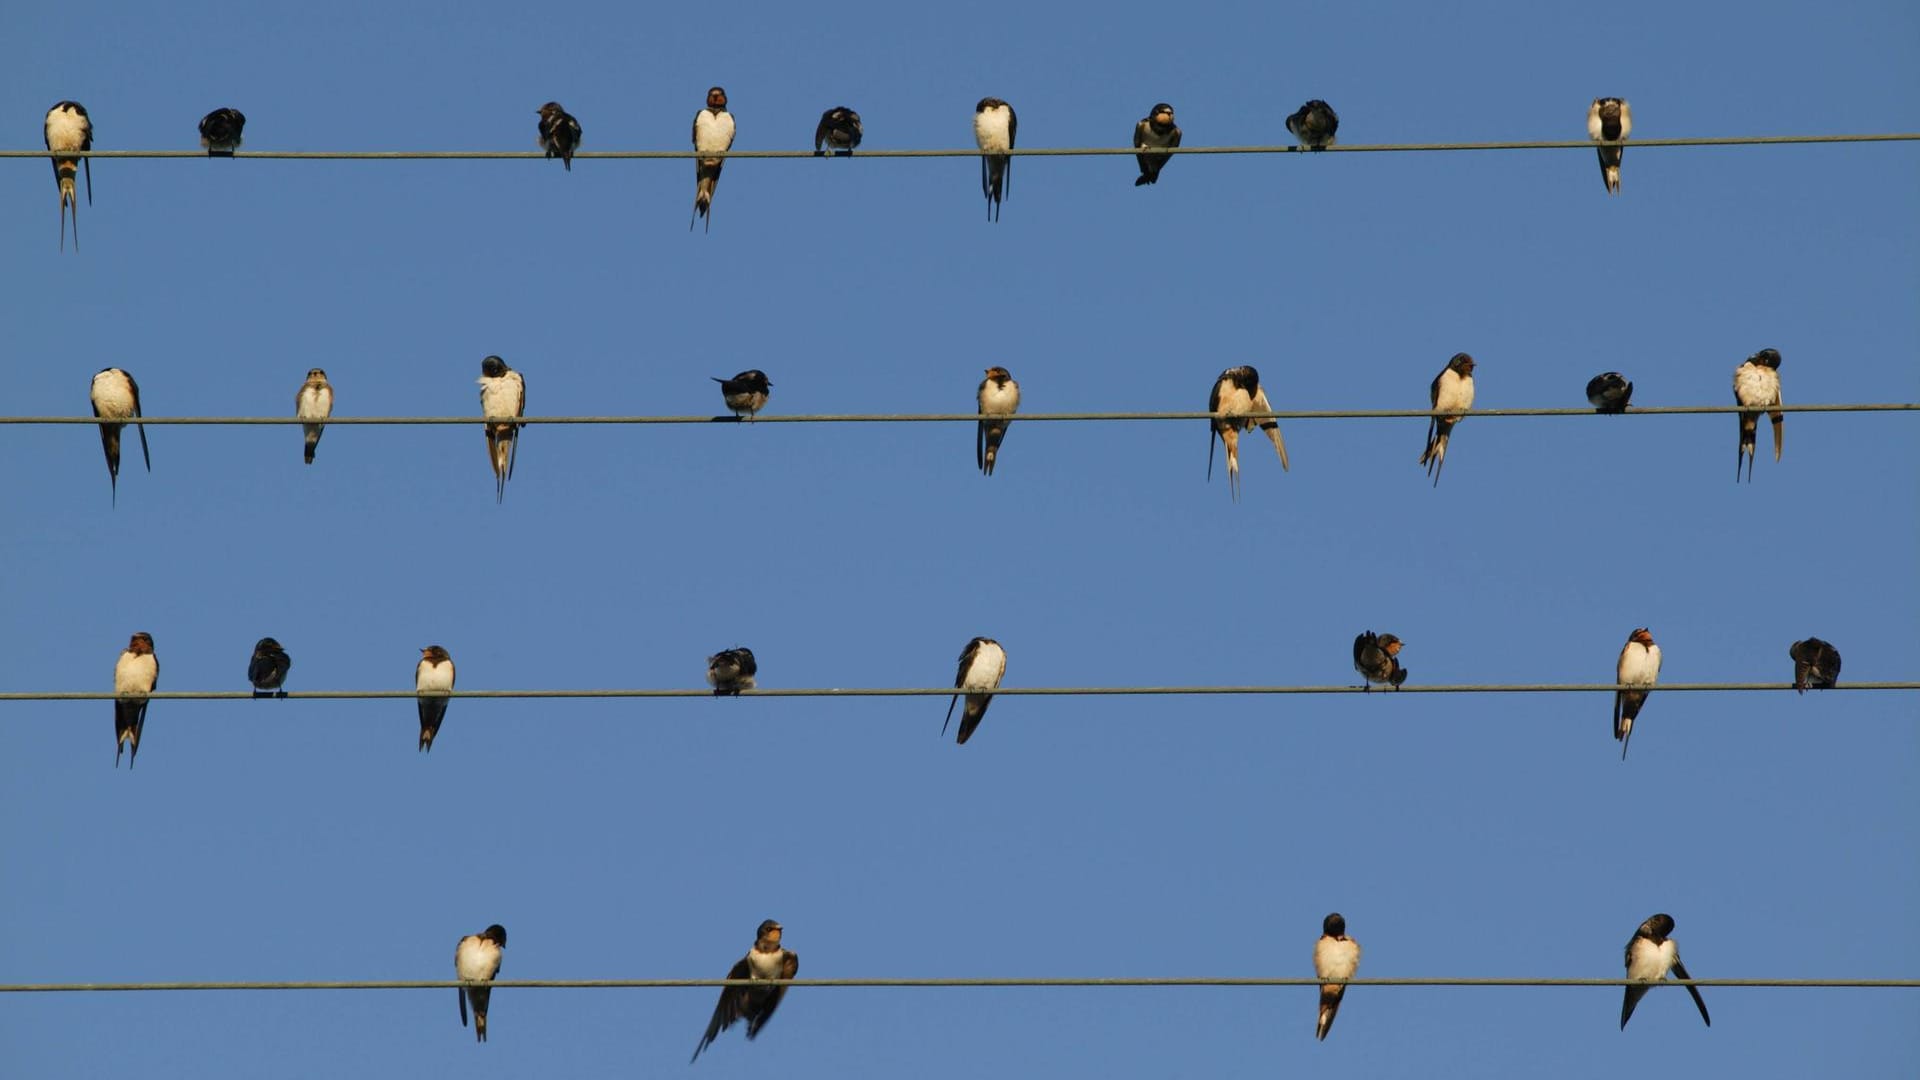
{"x":932,"y":983}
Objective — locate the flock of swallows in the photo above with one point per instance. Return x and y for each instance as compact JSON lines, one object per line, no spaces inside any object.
{"x":839,"y":133}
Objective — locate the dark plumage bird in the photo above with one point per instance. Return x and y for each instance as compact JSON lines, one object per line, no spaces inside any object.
{"x":559,"y":133}
{"x":1816,"y":665}
{"x":268,"y":668}
{"x":1314,"y":124}
{"x":745,"y":393}
{"x":730,"y":671}
{"x":754,"y":1004}
{"x":838,"y":133}
{"x":1156,"y":130}
{"x":1377,"y":658}
{"x":1609,"y":393}
{"x":1651,"y":953}
{"x":220,"y":132}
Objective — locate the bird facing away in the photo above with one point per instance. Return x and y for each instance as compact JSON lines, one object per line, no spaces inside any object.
{"x":477,"y":961}
{"x":432,"y":675}
{"x":69,"y":128}
{"x":220,"y":132}
{"x":1650,"y":955}
{"x":1235,"y":392}
{"x":982,"y":663}
{"x":314,"y":401}
{"x":999,"y":398}
{"x":1639,"y":666}
{"x":712,"y":134}
{"x":1756,"y":384}
{"x":117,"y":397}
{"x":994,"y":129}
{"x":1816,"y":665}
{"x":730,"y":671}
{"x":1158,"y":130}
{"x":754,"y":1004}
{"x":268,"y":668}
{"x":1314,"y":124}
{"x":559,"y":133}
{"x":1377,"y":659}
{"x":745,"y":393}
{"x":1609,"y":392}
{"x":503,"y":393}
{"x":1609,"y":120}
{"x":1335,"y":956}
{"x":1451,"y":392}
{"x":135,"y":675}
{"x":838,"y":133}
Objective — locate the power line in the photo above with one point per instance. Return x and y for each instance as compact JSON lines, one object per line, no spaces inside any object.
{"x":896,"y":984}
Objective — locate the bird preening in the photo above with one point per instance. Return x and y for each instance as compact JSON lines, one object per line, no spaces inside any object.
{"x":1609,"y":120}
{"x":1609,"y":392}
{"x":994,"y":129}
{"x":838,"y":133}
{"x":1335,"y":956}
{"x":116,"y":397}
{"x":220,"y":132}
{"x":559,"y":133}
{"x":1756,"y":385}
{"x":69,"y":128}
{"x":1236,"y":392}
{"x":1816,"y":665}
{"x":476,"y":959}
{"x":745,"y":393}
{"x":730,"y":671}
{"x":267,"y":669}
{"x":1651,"y":954}
{"x":982,"y":664}
{"x":503,"y":394}
{"x":1314,"y":124}
{"x":1377,"y":658}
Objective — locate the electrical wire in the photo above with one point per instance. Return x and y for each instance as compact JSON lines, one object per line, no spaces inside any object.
{"x":894,"y":984}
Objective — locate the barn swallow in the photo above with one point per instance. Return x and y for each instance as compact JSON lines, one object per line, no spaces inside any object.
{"x":559,"y":133}
{"x":1237,"y":391}
{"x":1609,"y":393}
{"x":839,"y":132}
{"x":1378,"y":659}
{"x":1816,"y":664}
{"x":502,"y":393}
{"x":477,"y":961}
{"x":1639,"y":666}
{"x":730,"y":671}
{"x":1756,"y":384}
{"x":712,"y":133}
{"x":220,"y":132}
{"x":268,"y":668}
{"x":69,"y":128}
{"x":1452,"y":391}
{"x":745,"y":393}
{"x":1314,"y":124}
{"x":135,"y":675}
{"x":434,"y":672}
{"x":999,"y":397}
{"x":1650,"y":955}
{"x":117,"y":397}
{"x":994,"y":127}
{"x":1156,"y":129}
{"x":982,"y":663}
{"x":313,"y":402}
{"x":1609,"y":120}
{"x":754,"y":1004}
{"x":1335,"y":956}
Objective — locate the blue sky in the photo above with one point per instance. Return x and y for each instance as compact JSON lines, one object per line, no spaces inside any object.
{"x":1460,"y":835}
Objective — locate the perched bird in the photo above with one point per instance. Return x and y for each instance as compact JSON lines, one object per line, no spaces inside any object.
{"x":1377,"y":658}
{"x":730,"y":671}
{"x":1235,"y":392}
{"x":1314,"y":124}
{"x":839,"y":132}
{"x":1816,"y":665}
{"x":220,"y":132}
{"x":1609,"y":120}
{"x":1609,"y":393}
{"x":268,"y":668}
{"x":999,"y":397}
{"x":117,"y":397}
{"x":745,"y":393}
{"x":313,"y":402}
{"x":135,"y":675}
{"x":433,"y":674}
{"x":1756,"y":384}
{"x":754,"y":1004}
{"x":559,"y":133}
{"x":994,"y":127}
{"x":1156,"y":129}
{"x":1335,"y":956}
{"x":982,"y":663}
{"x":712,"y":134}
{"x":69,"y":128}
{"x":1452,"y":392}
{"x":1650,"y":955}
{"x":1639,"y":666}
{"x":477,"y":961}
{"x":503,"y":393}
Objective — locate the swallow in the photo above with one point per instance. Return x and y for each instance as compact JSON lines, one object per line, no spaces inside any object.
{"x":69,"y":128}
{"x":135,"y":675}
{"x":117,"y":397}
{"x":1756,"y":384}
{"x":730,"y":671}
{"x":1452,"y":391}
{"x":1609,"y":120}
{"x":1639,"y":666}
{"x":268,"y":668}
{"x":999,"y":397}
{"x":839,"y":132}
{"x":994,"y":127}
{"x":220,"y":132}
{"x":313,"y":402}
{"x":1156,"y":129}
{"x":745,"y":393}
{"x":559,"y":133}
{"x":503,"y":392}
{"x":754,"y":1004}
{"x":1335,"y":956}
{"x":1237,"y":391}
{"x":433,"y":673}
{"x":1377,"y":658}
{"x":1314,"y":124}
{"x":1650,"y":955}
{"x":477,"y":961}
{"x":1816,"y":665}
{"x":982,"y":663}
{"x":712,"y":133}
{"x":1609,"y":392}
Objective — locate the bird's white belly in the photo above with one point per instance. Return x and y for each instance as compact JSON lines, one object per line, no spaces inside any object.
{"x":433,"y":677}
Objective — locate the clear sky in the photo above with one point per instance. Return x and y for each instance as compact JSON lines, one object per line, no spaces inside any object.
{"x":1460,"y":835}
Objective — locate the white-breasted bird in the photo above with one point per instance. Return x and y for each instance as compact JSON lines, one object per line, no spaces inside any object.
{"x":999,"y":399}
{"x":1756,"y":384}
{"x":477,"y":961}
{"x":1236,"y":392}
{"x":712,"y":134}
{"x":1335,"y":956}
{"x":982,"y":664}
{"x":314,"y":401}
{"x":767,"y":960}
{"x":1156,"y":130}
{"x":1651,"y":953}
{"x":1610,"y":120}
{"x":432,"y":677}
{"x":116,"y":397}
{"x":994,"y":129}
{"x":1451,"y":392}
{"x":503,"y":394}
{"x":135,"y":675}
{"x":838,"y":133}
{"x":1639,"y":666}
{"x":69,"y":128}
